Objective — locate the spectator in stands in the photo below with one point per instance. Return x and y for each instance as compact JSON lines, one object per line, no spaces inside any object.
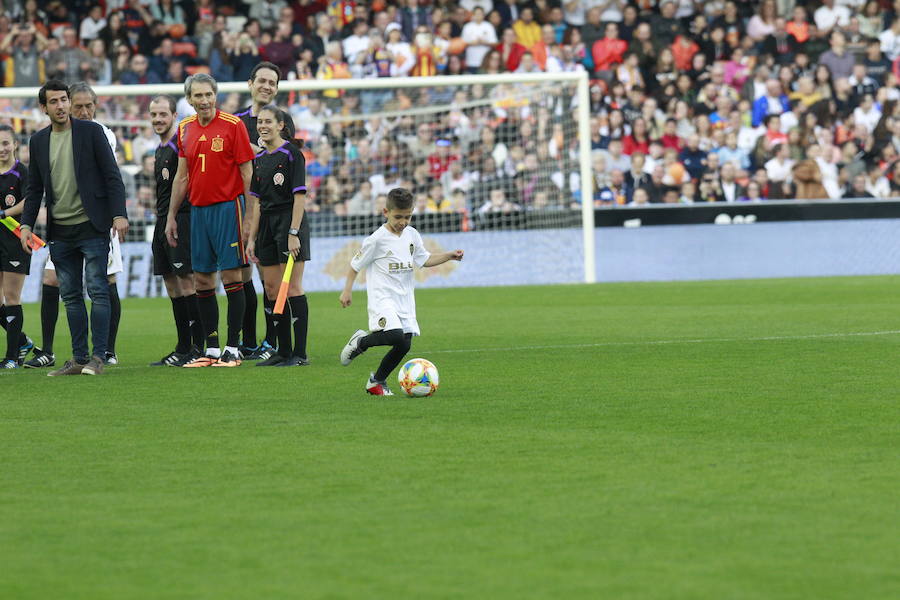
{"x":693,"y":157}
{"x":400,"y":51}
{"x":100,"y":67}
{"x":498,"y":203}
{"x":510,"y":50}
{"x":665,"y":27}
{"x":280,"y":50}
{"x":92,"y":24}
{"x":168,"y":12}
{"x":363,"y":201}
{"x":752,"y":193}
{"x":161,"y":58}
{"x":479,"y":37}
{"x":24,"y":65}
{"x":876,"y":183}
{"x":838,"y":59}
{"x":828,"y":17}
{"x":762,"y":24}
{"x":412,"y":16}
{"x":636,"y":177}
{"x":139,"y":72}
{"x":775,"y":102}
{"x":857,"y":189}
{"x":114,"y":31}
{"x":877,"y":66}
{"x":528,"y":32}
{"x":778,"y":169}
{"x":68,"y":62}
{"x":243,"y":55}
{"x":267,"y":12}
{"x":608,"y":52}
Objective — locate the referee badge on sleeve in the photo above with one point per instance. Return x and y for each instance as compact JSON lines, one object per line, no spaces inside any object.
{"x":278,"y":178}
{"x":165,"y":173}
{"x":10,"y":200}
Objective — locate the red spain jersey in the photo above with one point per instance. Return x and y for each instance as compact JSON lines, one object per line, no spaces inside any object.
{"x":213,"y":155}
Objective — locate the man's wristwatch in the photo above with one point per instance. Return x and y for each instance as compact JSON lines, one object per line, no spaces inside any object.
{"x":294,"y":232}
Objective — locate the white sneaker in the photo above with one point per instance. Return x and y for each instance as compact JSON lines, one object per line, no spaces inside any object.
{"x":351,"y":349}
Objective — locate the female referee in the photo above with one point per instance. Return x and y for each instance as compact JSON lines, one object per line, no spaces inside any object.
{"x":14,"y":261}
{"x":278,"y":229}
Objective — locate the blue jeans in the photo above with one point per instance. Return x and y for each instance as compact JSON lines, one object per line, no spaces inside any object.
{"x":71,"y":259}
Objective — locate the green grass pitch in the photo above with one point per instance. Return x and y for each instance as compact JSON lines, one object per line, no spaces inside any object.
{"x":733,"y":439}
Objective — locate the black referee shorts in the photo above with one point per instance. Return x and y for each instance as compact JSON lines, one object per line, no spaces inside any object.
{"x":272,"y":238}
{"x":166,"y":259}
{"x":13,"y":259}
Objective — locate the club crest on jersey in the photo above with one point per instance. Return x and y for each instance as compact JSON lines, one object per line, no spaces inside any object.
{"x":411,"y":248}
{"x":382,"y":322}
{"x":165,"y":173}
{"x":217,"y":144}
{"x":10,"y":199}
{"x":278,"y":178}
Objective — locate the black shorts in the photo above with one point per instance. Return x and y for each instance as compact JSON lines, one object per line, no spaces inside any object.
{"x":13,"y":259}
{"x":272,"y":238}
{"x":166,"y":259}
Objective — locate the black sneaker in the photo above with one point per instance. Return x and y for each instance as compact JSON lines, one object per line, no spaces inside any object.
{"x":40,"y":360}
{"x":187,"y":357}
{"x":262,"y":352}
{"x":247,"y":351}
{"x":168,"y":360}
{"x":294,"y":361}
{"x":273,"y":361}
{"x":9,"y":363}
{"x":24,"y":349}
{"x":110,"y":359}
{"x":227,"y":360}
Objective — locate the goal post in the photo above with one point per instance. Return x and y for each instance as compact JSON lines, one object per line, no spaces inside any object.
{"x":546,"y":154}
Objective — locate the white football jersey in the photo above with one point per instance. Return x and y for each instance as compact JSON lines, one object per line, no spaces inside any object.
{"x":389,"y":261}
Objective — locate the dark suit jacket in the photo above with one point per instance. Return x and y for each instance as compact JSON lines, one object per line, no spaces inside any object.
{"x":99,"y":180}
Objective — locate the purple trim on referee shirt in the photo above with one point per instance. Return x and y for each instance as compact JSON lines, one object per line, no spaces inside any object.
{"x":283,"y":149}
{"x":248,"y":111}
{"x":13,"y":170}
{"x":254,"y":194}
{"x":299,"y":188}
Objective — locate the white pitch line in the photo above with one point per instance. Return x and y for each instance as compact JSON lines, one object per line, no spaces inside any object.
{"x":767,"y":338}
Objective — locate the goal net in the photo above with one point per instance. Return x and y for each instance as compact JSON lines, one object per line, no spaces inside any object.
{"x":495,"y":163}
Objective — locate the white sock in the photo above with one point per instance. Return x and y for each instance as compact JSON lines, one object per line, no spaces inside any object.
{"x":213,"y":352}
{"x":232,"y":349}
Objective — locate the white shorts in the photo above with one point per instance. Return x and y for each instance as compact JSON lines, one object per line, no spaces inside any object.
{"x":114,"y":262}
{"x":386,"y":318}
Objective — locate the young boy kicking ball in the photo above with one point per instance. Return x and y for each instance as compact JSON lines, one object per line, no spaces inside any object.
{"x":389,"y":256}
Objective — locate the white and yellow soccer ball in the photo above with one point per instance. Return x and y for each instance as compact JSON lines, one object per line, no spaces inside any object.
{"x":418,"y":378}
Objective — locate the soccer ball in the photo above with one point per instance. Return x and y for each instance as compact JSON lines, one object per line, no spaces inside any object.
{"x":418,"y":378}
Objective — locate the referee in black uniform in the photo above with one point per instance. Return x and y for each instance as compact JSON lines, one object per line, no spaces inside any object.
{"x":279,"y":229}
{"x":174,"y":263}
{"x":263,"y":84}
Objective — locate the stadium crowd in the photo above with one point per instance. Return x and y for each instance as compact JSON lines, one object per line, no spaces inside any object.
{"x":725,"y":100}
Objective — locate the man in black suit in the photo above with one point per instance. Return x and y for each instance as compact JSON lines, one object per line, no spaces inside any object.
{"x":73,"y":165}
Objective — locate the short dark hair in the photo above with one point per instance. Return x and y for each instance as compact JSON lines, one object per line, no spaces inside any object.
{"x":166,"y":98}
{"x":399,"y":199}
{"x":266,"y":65}
{"x":54,"y":85}
{"x":12,"y":132}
